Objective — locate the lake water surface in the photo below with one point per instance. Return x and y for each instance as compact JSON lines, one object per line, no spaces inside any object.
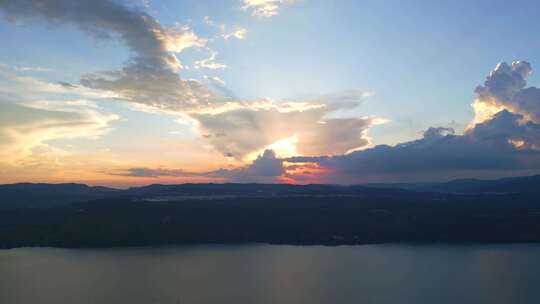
{"x":273,"y":274}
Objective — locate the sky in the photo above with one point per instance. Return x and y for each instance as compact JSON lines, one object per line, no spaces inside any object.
{"x":133,"y":92}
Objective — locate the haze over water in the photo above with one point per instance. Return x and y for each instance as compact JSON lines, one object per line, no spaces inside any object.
{"x":273,"y":274}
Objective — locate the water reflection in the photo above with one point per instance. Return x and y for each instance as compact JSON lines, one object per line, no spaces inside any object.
{"x":272,"y":274}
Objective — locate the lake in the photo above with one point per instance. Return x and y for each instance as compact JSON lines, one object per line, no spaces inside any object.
{"x":273,"y":274}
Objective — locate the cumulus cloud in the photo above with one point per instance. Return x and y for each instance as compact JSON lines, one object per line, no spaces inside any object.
{"x":507,"y":127}
{"x":504,"y":142}
{"x":264,"y":8}
{"x":489,"y":147}
{"x":437,"y":132}
{"x":266,"y":168}
{"x":505,"y":88}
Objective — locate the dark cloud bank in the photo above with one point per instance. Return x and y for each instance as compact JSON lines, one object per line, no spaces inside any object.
{"x":506,"y":143}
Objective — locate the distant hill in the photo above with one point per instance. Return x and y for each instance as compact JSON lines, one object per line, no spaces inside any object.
{"x":523,"y":184}
{"x":28,"y":195}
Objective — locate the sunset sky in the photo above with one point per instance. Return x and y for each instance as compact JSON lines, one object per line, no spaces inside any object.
{"x":136,"y":92}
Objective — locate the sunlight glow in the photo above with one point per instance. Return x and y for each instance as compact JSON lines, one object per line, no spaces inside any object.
{"x":283,"y":148}
{"x":484,"y":111}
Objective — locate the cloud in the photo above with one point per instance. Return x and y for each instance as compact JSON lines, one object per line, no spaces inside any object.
{"x":488,"y":148}
{"x":25,"y":130}
{"x":290,"y":128}
{"x":150,"y":172}
{"x":145,"y":37}
{"x":208,"y":21}
{"x":266,"y":168}
{"x":20,"y":68}
{"x":150,"y":79}
{"x":505,"y":88}
{"x":34,"y":113}
{"x":210,"y":62}
{"x":264,"y":8}
{"x":502,"y":143}
{"x":437,"y":132}
{"x":150,"y":76}
{"x":238,"y":33}
{"x":17,"y":87}
{"x":507,"y":127}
